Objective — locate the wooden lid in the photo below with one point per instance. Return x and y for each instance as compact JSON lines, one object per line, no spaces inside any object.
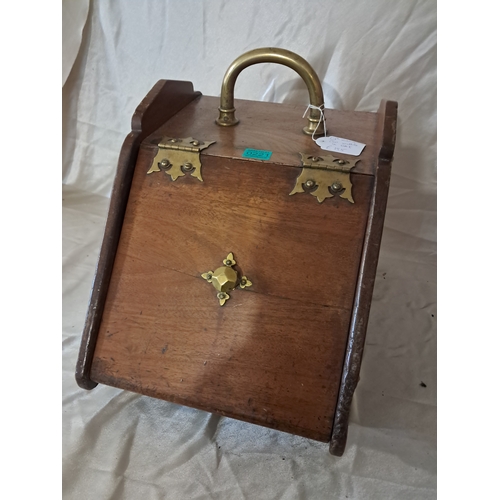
{"x":271,"y":127}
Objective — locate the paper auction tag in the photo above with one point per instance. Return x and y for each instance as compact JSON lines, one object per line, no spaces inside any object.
{"x":339,"y":145}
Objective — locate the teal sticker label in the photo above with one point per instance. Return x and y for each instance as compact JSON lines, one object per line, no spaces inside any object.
{"x":257,"y":154}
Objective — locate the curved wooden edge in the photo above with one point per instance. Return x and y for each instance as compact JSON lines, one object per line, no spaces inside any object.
{"x":162,"y":102}
{"x":386,"y":137}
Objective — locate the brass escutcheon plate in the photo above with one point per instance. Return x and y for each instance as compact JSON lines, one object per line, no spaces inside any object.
{"x":225,"y":278}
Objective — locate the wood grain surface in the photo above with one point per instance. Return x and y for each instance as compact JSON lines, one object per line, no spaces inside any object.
{"x":273,"y":354}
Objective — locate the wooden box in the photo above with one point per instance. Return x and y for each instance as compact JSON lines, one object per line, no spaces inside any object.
{"x":284,"y":352}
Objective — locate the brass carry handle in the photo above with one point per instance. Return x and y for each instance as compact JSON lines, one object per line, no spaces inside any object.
{"x":280,"y":56}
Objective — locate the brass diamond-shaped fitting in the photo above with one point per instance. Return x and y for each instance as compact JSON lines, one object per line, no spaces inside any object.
{"x":224,"y":279}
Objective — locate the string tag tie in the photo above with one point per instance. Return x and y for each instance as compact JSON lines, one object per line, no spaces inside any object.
{"x":321,"y":119}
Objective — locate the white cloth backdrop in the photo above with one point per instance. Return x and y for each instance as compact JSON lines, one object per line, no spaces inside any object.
{"x":119,"y":445}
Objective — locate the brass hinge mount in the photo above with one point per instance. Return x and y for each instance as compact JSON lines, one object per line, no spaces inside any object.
{"x":178,"y":157}
{"x":324,"y":177}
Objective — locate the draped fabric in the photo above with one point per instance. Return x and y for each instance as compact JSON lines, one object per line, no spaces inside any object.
{"x":120,"y":445}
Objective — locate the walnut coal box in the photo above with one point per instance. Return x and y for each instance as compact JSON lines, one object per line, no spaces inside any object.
{"x":239,"y":258}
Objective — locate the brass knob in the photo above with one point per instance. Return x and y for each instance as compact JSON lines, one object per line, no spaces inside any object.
{"x":224,"y":279}
{"x":279,"y":56}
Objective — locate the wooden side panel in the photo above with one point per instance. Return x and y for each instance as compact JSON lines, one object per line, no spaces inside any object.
{"x":386,"y":138}
{"x":273,"y":354}
{"x":163,"y":101}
